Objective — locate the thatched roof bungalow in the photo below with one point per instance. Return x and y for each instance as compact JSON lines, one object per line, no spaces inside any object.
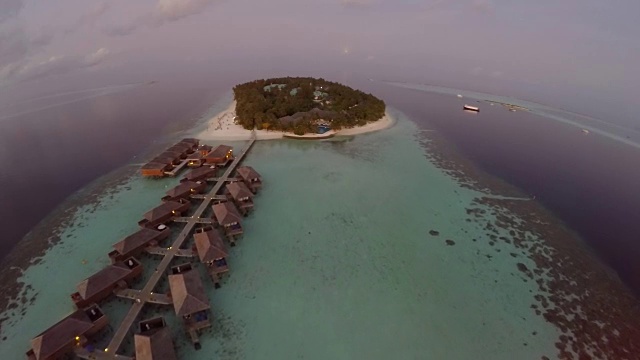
{"x":135,"y":243}
{"x":154,"y":341}
{"x":201,"y":173}
{"x":100,"y":285}
{"x":251,"y":178}
{"x":60,"y":339}
{"x":163,"y":213}
{"x":228,"y":217}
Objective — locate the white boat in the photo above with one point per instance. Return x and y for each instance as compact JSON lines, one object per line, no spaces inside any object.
{"x":471,"y":108}
{"x":460,"y":96}
{"x":585,"y":131}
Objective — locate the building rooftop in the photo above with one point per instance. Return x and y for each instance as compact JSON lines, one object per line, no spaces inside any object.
{"x":192,"y":141}
{"x":226,"y":213}
{"x":154,"y":342}
{"x":154,"y":166}
{"x":163,"y":210}
{"x":58,"y":336}
{"x":248,"y":173}
{"x":210,"y":245}
{"x":185,"y":188}
{"x":239,"y":191}
{"x":188,"y":293}
{"x":106,"y":277}
{"x":220,"y":151}
{"x":136,"y":240}
{"x":203,"y":172}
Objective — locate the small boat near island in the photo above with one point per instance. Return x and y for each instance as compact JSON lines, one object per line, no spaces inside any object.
{"x":471,"y":108}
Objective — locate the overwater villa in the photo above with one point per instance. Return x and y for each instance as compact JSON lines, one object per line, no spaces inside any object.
{"x":155,"y":169}
{"x":201,"y":173}
{"x":241,"y":196}
{"x":212,"y":252}
{"x":197,"y":159}
{"x":204,"y":149}
{"x":135,"y":243}
{"x":251,"y":178}
{"x":184,"y":190}
{"x":221,"y":155}
{"x":189,"y":300}
{"x":229,"y":218}
{"x":100,"y":285}
{"x":164,"y":213}
{"x":193,"y":142}
{"x":183,"y":149}
{"x":167,"y":157}
{"x":70,"y":333}
{"x":154,"y":341}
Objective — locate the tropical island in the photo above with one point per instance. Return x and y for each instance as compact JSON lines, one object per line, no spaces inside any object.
{"x":297,"y":107}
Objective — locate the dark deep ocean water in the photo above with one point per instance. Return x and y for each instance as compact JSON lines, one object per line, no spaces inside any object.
{"x":589,"y":182}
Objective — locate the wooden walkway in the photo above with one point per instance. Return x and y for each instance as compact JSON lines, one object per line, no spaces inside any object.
{"x":156,"y":250}
{"x":155,"y":298}
{"x":175,"y":170}
{"x":146,"y":294}
{"x":216,"y":179}
{"x":204,"y":196}
{"x":193,"y":219}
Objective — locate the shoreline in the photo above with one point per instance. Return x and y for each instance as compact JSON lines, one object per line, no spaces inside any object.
{"x":222,"y":127}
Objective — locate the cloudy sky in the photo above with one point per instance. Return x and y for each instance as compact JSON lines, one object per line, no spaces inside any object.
{"x":580,"y":51}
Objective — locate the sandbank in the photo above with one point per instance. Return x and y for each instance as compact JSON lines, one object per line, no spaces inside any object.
{"x":222,"y":126}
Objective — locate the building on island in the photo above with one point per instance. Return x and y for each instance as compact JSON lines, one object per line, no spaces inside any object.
{"x":135,"y":243}
{"x":189,"y":300}
{"x":191,"y":142}
{"x":164,"y":213}
{"x":212,"y":252}
{"x":101,"y":285}
{"x":251,"y":178}
{"x":182,"y":149}
{"x":154,"y":341}
{"x":221,"y":155}
{"x":70,"y":333}
{"x":155,"y":169}
{"x":202,"y":173}
{"x":184,"y":190}
{"x":197,"y":159}
{"x":241,"y":196}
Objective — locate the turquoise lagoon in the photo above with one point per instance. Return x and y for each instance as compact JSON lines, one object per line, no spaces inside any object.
{"x":336,"y":262}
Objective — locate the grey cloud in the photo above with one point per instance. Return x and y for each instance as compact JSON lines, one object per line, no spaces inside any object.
{"x":55,"y":65}
{"x":172,"y":10}
{"x":482,"y":5}
{"x":14,"y":45}
{"x":122,"y":29}
{"x":88,"y":18}
{"x":165,"y":11}
{"x":356,"y":3}
{"x":9,"y":8}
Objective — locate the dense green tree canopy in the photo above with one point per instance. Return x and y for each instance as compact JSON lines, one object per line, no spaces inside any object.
{"x":297,"y":104}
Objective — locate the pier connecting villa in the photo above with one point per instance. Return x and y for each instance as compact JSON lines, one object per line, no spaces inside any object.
{"x":183,"y":207}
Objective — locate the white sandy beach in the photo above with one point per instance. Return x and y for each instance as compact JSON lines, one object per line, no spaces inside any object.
{"x":222,"y":127}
